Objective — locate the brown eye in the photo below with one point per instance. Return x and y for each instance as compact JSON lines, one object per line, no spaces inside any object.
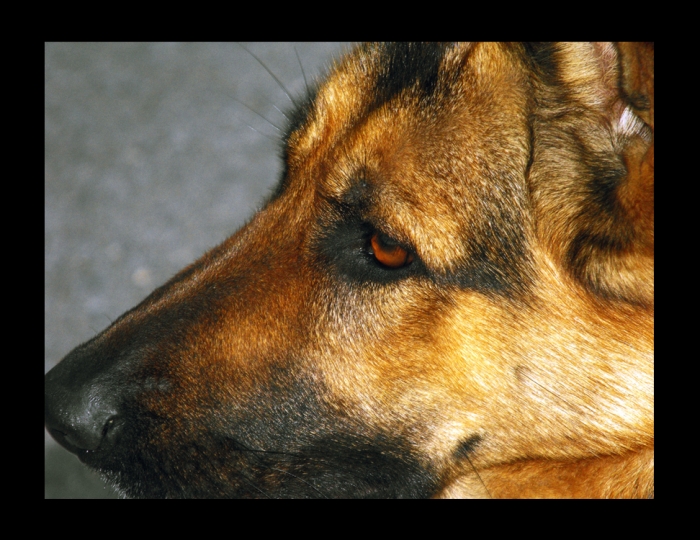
{"x":388,"y":252}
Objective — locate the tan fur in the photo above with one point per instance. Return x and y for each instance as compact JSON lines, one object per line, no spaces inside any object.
{"x":512,"y":358}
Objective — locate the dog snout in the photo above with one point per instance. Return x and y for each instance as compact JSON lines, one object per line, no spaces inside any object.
{"x":82,"y":406}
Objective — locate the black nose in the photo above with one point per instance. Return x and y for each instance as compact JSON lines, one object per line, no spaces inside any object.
{"x":78,"y":421}
{"x":81,"y":412}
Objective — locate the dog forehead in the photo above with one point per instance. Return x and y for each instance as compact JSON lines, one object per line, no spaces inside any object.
{"x":402,"y":107}
{"x":361,"y":82}
{"x":433,"y":146}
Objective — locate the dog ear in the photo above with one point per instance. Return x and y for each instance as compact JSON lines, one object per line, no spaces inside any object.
{"x":636,"y":61}
{"x":625,"y":87}
{"x":631,"y":90}
{"x":610,"y":76}
{"x":637,"y":78}
{"x":594,"y":186}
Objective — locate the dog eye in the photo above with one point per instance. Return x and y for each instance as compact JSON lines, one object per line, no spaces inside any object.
{"x":388,"y":252}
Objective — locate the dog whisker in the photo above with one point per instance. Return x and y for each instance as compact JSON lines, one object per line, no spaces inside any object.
{"x":277,"y":80}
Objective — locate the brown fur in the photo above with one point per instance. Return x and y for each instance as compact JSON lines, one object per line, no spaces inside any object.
{"x":510,"y":353}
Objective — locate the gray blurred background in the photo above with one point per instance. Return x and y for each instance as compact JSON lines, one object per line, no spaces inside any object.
{"x":152,"y":156}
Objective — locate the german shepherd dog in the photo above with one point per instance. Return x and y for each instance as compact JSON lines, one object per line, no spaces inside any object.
{"x":449,"y":294}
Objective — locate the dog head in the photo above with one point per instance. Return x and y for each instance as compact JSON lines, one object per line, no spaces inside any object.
{"x":449,"y":294}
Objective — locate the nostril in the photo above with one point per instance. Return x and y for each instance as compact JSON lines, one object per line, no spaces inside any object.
{"x":89,"y":430}
{"x":107,"y":427}
{"x":111,"y":430}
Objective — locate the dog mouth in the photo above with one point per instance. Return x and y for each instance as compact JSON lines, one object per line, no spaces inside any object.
{"x":334,"y":466}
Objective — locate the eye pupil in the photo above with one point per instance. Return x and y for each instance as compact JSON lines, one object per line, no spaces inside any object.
{"x":388,"y":252}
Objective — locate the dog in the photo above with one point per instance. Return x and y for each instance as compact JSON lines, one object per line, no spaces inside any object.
{"x":448,"y":295}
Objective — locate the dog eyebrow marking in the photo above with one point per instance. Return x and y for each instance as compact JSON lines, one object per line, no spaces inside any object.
{"x":357,"y":193}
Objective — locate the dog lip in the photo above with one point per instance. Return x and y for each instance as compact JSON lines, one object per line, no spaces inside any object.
{"x":87,"y":456}
{"x":64,"y":440}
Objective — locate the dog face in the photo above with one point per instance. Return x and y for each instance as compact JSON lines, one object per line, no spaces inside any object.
{"x":449,"y":294}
